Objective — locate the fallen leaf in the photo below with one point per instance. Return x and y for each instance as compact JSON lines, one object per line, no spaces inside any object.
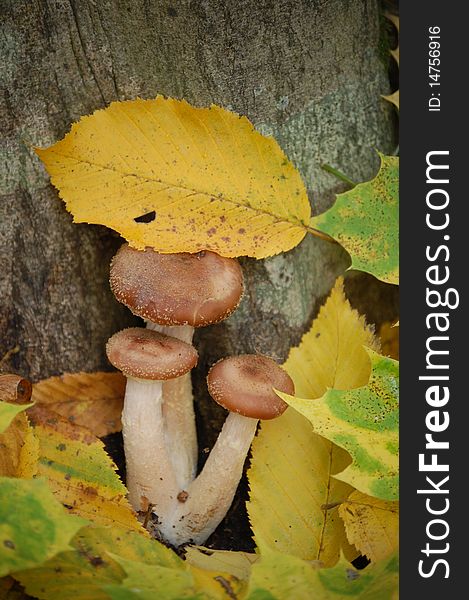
{"x":33,"y":525}
{"x":365,"y":422}
{"x":293,"y":492}
{"x":180,"y":179}
{"x":389,"y":337}
{"x":93,"y":400}
{"x":365,"y":220}
{"x":19,"y":449}
{"x":8,"y":412}
{"x":372,"y":525}
{"x":103,"y":562}
{"x":79,"y":472}
{"x":279,"y":576}
{"x":237,"y":564}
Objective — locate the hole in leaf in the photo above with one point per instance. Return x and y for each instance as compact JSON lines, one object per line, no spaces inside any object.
{"x":146,"y":218}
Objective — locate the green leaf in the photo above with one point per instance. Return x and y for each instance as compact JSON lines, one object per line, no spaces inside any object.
{"x":8,"y":412}
{"x":150,"y":581}
{"x":33,"y":525}
{"x":278,"y":576}
{"x":365,"y":422}
{"x":365,"y":220}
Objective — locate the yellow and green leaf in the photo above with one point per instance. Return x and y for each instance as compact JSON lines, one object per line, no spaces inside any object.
{"x":33,"y":525}
{"x":8,"y":412}
{"x":294,"y":494}
{"x":365,"y":221}
{"x":365,"y":422}
{"x":200,"y":178}
{"x":79,"y":472}
{"x":237,"y":564}
{"x":278,"y":576}
{"x":109,"y":563}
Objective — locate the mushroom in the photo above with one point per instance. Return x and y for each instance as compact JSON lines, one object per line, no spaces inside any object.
{"x":245,"y":386}
{"x":175,"y":293}
{"x":147,"y":358}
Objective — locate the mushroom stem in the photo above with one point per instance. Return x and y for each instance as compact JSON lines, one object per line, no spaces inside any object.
{"x":178,"y":413}
{"x":210,"y":495}
{"x":150,"y":476}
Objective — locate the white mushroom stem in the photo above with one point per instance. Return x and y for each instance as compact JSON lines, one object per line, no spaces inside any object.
{"x":178,"y":413}
{"x":150,"y":475}
{"x":209,"y":496}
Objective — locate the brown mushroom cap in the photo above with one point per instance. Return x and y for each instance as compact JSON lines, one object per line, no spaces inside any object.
{"x":147,"y":354}
{"x":177,"y":289}
{"x":244,"y":384}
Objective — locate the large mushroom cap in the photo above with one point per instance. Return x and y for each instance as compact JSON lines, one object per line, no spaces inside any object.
{"x":147,"y":354}
{"x":244,"y":384}
{"x":176,"y":289}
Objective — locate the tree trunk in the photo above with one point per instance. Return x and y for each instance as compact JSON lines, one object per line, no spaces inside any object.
{"x":309,"y":72}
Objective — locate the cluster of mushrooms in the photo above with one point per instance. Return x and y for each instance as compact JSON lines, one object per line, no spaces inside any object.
{"x":175,"y":293}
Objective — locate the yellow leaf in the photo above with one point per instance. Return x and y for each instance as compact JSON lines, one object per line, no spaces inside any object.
{"x":393,"y":98}
{"x":331,"y":354}
{"x":294,"y":496}
{"x":93,"y":400}
{"x":79,"y":472}
{"x":237,"y":564}
{"x":372,"y":525}
{"x":200,"y":178}
{"x":19,"y":449}
{"x":293,"y":499}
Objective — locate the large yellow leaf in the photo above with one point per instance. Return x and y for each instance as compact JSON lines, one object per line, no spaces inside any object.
{"x":200,"y":178}
{"x":371,"y":524}
{"x":105,"y":562}
{"x":294,"y":498}
{"x":19,"y":449}
{"x":79,"y":472}
{"x":93,"y":400}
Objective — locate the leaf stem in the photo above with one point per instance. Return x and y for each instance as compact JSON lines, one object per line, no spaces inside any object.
{"x":338,"y":174}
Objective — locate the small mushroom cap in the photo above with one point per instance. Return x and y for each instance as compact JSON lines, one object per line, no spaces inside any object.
{"x":147,"y":354}
{"x":244,"y":384}
{"x":177,"y":289}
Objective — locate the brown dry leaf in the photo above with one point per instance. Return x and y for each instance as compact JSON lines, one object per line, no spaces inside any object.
{"x":92,"y":400}
{"x":371,"y":524}
{"x":79,"y":472}
{"x":389,"y":336}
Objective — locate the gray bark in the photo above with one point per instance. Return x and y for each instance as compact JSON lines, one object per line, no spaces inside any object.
{"x":308,"y":72}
